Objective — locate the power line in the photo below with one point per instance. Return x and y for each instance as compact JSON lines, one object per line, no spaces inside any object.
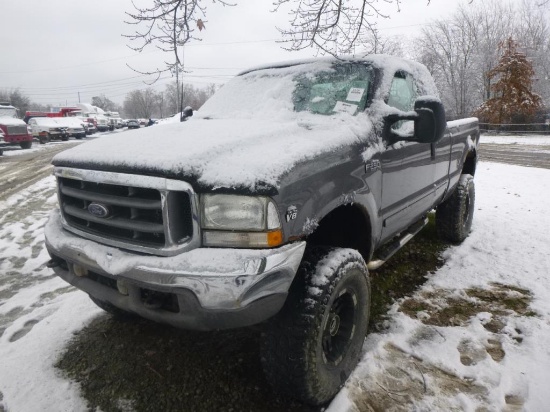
{"x":131,"y":56}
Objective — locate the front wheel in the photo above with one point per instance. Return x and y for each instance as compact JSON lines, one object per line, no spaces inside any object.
{"x":454,"y":217}
{"x":25,"y":145}
{"x":44,"y":139}
{"x":311,"y":347}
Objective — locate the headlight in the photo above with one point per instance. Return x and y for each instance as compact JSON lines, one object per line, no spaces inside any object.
{"x":240,"y":221}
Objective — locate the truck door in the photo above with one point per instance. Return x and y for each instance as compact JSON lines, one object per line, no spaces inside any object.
{"x":408,"y":168}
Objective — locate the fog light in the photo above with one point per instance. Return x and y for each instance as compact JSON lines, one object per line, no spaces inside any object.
{"x":122,"y":287}
{"x":80,"y":271}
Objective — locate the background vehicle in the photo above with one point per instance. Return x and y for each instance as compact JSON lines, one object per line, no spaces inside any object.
{"x":46,"y":129}
{"x":75,"y":126}
{"x":271,"y":205}
{"x":14,"y":130}
{"x":132,"y":124}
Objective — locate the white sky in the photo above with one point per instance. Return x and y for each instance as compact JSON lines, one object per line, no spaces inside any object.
{"x":54,"y":49}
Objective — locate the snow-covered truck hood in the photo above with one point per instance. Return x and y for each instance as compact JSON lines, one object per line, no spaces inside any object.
{"x":219,"y":153}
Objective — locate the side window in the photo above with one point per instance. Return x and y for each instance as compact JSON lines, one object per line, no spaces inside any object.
{"x":402,"y":92}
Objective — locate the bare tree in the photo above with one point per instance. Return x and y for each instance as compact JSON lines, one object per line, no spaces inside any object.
{"x":332,"y":26}
{"x":375,"y":43}
{"x":17,"y":99}
{"x":533,"y":35}
{"x":447,"y":47}
{"x":168,"y":25}
{"x":140,"y":103}
{"x":103,"y":102}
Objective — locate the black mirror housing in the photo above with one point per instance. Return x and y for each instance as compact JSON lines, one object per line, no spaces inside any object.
{"x":430,"y":125}
{"x":429,"y":122}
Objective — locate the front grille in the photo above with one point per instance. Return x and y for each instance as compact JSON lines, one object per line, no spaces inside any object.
{"x":134,"y":215}
{"x":15,"y":130}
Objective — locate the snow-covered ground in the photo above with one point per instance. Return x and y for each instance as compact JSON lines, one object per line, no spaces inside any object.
{"x":477,"y":334}
{"x":516,"y":139}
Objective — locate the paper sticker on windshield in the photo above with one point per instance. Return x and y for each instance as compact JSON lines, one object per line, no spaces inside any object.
{"x":343,"y":107}
{"x":355,"y":94}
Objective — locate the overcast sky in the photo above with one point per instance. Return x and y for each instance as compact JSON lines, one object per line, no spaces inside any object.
{"x":52,"y":50}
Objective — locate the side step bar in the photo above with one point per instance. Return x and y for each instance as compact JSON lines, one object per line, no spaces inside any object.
{"x":389,"y":250}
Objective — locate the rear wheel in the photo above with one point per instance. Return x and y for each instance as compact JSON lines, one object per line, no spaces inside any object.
{"x":453,"y":218}
{"x":43,"y":139}
{"x":25,"y":145}
{"x":311,"y":347}
{"x":64,"y":138}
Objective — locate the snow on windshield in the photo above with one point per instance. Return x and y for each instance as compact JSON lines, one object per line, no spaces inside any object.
{"x":323,"y":87}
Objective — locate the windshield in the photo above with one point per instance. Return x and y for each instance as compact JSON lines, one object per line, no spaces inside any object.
{"x":320,"y":88}
{"x":343,"y":89}
{"x":8,"y":112}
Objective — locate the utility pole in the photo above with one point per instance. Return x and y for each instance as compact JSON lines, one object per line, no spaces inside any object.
{"x":78,"y":97}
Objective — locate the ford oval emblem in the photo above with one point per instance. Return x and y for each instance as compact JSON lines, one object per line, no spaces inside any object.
{"x":98,"y":210}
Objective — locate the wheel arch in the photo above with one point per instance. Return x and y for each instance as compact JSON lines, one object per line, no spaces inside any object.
{"x":470,"y":163}
{"x":346,"y":226}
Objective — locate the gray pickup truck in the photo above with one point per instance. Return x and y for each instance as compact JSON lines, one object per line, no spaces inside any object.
{"x":269,"y":206}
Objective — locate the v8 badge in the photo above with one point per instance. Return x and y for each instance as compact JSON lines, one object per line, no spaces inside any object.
{"x":291,"y":213}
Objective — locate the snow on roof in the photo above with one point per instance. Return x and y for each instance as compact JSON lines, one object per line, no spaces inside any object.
{"x":46,"y":121}
{"x":388,"y":64}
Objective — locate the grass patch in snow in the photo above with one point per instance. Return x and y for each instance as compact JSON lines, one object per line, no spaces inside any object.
{"x":446,"y":308}
{"x":405,"y":272}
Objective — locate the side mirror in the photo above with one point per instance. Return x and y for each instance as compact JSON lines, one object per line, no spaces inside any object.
{"x":429,"y":122}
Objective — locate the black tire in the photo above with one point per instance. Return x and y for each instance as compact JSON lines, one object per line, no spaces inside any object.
{"x":311,"y":347}
{"x":453,"y":218}
{"x":43,"y":139}
{"x":113,"y":310}
{"x":25,"y":145}
{"x":64,"y":138}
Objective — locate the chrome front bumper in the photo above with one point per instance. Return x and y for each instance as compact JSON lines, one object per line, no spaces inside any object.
{"x":216,"y":288}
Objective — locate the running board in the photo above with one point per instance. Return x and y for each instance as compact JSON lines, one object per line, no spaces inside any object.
{"x":393,"y":247}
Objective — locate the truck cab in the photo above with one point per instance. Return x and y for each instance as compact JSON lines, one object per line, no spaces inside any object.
{"x":14,"y":130}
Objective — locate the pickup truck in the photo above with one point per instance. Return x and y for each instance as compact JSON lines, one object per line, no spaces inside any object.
{"x":269,"y":207}
{"x":46,"y":129}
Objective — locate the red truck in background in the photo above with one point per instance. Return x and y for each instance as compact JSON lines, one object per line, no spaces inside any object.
{"x":13,"y":131}
{"x":63,"y":112}
{"x":66,"y":112}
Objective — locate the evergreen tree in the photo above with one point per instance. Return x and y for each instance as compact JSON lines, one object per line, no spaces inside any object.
{"x":513,"y":99}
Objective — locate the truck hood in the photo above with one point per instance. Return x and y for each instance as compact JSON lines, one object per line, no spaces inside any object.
{"x":248,"y":154}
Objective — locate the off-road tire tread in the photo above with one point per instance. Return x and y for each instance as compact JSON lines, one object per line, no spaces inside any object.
{"x":291,"y":334}
{"x":449,"y":217}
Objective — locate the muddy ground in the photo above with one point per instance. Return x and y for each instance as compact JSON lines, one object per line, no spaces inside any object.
{"x":137,"y":365}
